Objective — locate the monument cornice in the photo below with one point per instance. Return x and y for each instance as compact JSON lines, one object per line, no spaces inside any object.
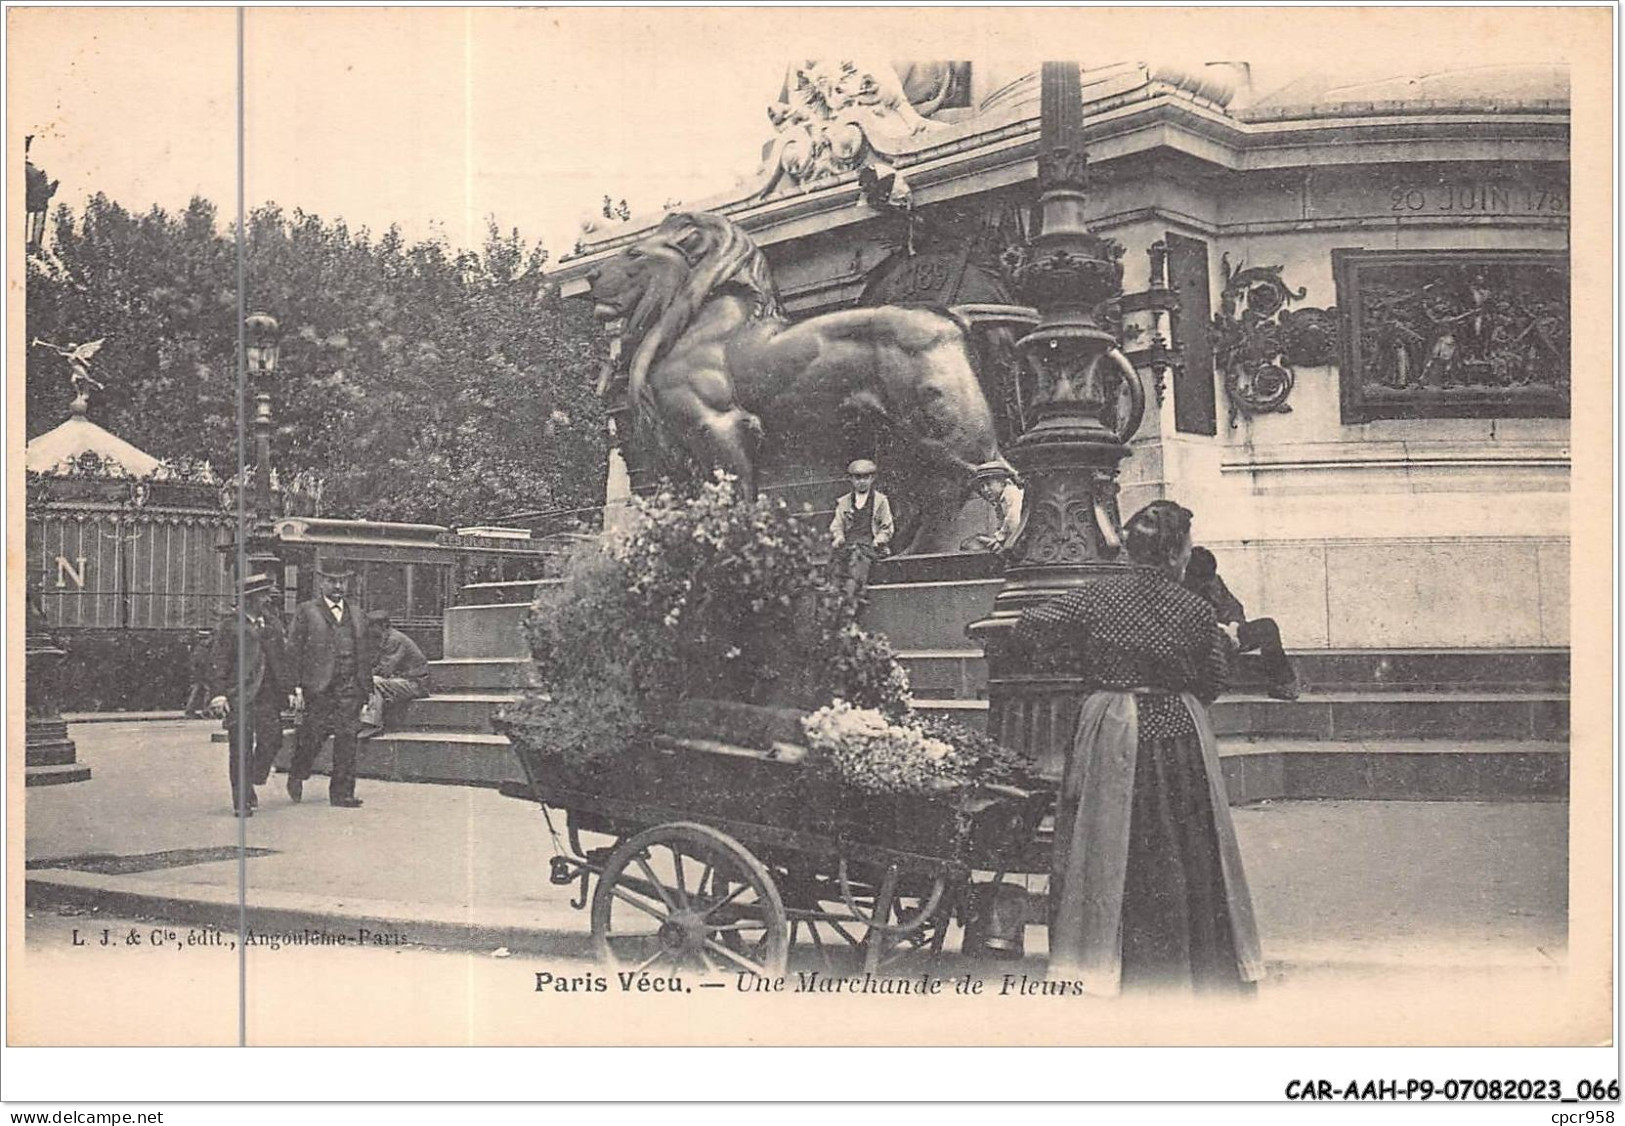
{"x":983,"y":156}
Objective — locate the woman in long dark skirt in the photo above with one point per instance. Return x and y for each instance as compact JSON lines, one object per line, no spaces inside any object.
{"x":1147,"y":889}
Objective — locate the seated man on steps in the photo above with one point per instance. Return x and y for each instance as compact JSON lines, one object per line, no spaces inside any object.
{"x":399,"y":672}
{"x":1261,"y":634}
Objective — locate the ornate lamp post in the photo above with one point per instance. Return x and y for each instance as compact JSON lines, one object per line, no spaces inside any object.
{"x":1089,"y":402}
{"x":261,"y":348}
{"x":50,"y":757}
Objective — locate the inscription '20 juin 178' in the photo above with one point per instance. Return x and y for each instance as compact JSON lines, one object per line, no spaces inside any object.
{"x":1484,"y":197}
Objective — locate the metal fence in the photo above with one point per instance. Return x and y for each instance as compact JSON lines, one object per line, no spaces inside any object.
{"x":105,"y":570}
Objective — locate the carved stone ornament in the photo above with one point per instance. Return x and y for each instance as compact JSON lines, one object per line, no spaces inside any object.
{"x":1260,"y":340}
{"x":836,"y":116}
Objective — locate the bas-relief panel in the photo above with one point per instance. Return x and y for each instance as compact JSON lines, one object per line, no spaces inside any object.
{"x":1453,"y":333}
{"x":1457,"y":339}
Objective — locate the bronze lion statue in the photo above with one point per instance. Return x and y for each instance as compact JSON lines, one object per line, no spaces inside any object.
{"x":716,"y":369}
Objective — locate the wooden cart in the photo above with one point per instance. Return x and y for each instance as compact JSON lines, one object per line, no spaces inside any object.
{"x":723,"y":851}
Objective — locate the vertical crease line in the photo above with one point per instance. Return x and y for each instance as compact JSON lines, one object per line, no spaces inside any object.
{"x":468,"y":130}
{"x":240,"y":750}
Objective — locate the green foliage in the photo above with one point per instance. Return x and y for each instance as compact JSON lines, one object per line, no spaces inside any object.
{"x":706,"y":596}
{"x":417,"y":383}
{"x":123,"y":670}
{"x":866,"y":665}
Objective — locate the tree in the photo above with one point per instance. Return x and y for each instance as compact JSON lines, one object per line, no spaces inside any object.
{"x":417,"y":383}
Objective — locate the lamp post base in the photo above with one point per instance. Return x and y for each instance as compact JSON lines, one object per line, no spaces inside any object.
{"x":50,"y":758}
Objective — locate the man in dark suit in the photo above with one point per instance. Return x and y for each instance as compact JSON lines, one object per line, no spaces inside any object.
{"x":327,"y":644}
{"x":249,"y":669}
{"x":1260,"y":635}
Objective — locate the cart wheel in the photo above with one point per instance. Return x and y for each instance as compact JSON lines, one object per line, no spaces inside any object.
{"x":686,"y":896}
{"x":889,"y":914}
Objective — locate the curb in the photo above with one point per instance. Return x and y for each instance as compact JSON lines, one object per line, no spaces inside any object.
{"x":280,"y":912}
{"x":126,"y":717}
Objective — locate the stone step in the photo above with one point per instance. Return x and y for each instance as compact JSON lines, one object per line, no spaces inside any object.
{"x":475,"y":674}
{"x":1428,"y":670}
{"x":1254,"y":770}
{"x":122,"y":717}
{"x":46,"y":730}
{"x":972,"y":713}
{"x":928,"y":615}
{"x":53,"y":752}
{"x":488,"y":630}
{"x":454,"y":711}
{"x":958,"y":672}
{"x":1395,"y":770}
{"x":1398,"y":715}
{"x":946,"y":674}
{"x":457,"y":758}
{"x":57,"y":775}
{"x":506,"y":593}
{"x":1457,"y":716}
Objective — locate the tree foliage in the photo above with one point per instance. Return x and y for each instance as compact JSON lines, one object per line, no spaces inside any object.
{"x":416,"y":382}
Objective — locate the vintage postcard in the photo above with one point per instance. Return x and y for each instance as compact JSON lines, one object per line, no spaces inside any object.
{"x":805,"y":527}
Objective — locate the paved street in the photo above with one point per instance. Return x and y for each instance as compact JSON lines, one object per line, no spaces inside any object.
{"x":1344,"y":891}
{"x":1350,"y":896}
{"x":1380,"y":882}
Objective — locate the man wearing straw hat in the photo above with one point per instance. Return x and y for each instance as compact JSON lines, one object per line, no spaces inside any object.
{"x":996,"y":484}
{"x":250,"y":669}
{"x":328,"y":647}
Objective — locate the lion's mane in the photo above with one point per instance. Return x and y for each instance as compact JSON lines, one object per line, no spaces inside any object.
{"x":720,"y":257}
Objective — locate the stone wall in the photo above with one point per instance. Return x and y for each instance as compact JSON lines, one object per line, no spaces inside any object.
{"x":1446,"y":532}
{"x":1392,"y":533}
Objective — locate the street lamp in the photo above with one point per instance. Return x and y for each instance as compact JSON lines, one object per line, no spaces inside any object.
{"x":260,"y":348}
{"x":1088,"y":404}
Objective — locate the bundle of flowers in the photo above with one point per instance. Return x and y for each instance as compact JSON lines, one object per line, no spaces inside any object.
{"x":870,"y":752}
{"x":707,"y":595}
